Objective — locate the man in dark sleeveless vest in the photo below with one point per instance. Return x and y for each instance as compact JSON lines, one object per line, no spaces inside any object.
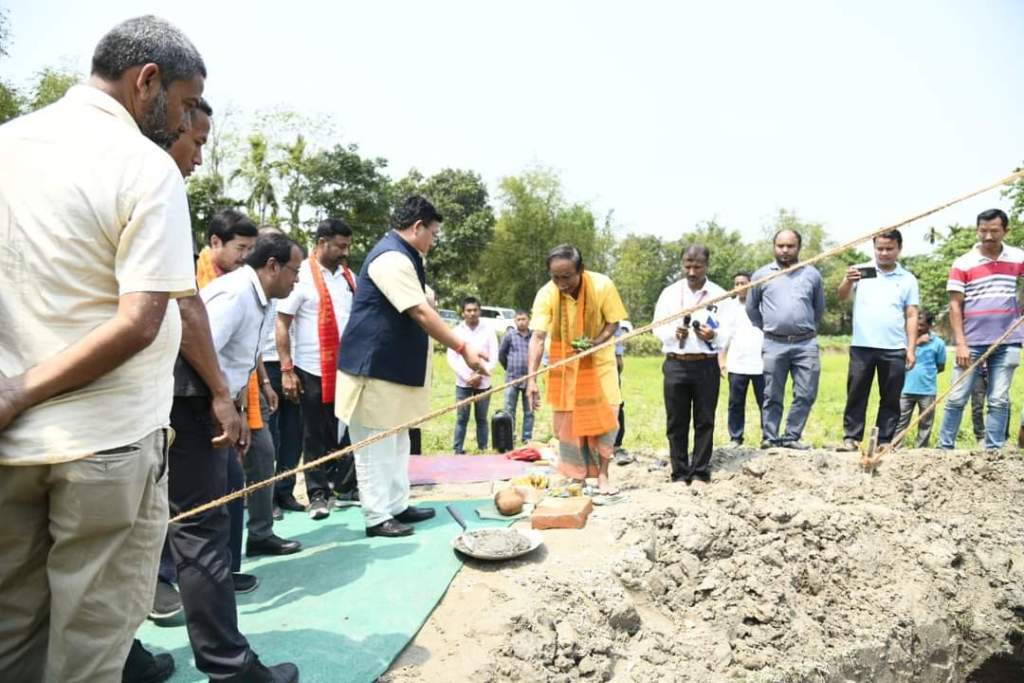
{"x":384,"y":365}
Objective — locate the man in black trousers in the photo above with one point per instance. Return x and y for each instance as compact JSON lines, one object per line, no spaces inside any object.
{"x":691,"y":371}
{"x":239,"y":308}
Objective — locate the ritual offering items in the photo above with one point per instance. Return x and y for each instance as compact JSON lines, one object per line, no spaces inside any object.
{"x":581,"y":343}
{"x":509,"y":501}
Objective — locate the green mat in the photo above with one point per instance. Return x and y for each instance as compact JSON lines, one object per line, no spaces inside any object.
{"x":344,"y":607}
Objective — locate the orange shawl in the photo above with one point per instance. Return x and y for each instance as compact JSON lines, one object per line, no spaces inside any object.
{"x":206,"y":272}
{"x":576,"y":387}
{"x":327,"y":328}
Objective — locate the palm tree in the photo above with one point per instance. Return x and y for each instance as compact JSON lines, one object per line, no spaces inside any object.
{"x":256,"y":171}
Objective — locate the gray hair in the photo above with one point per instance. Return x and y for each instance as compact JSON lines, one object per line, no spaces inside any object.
{"x":567,"y":252}
{"x":147,"y":40}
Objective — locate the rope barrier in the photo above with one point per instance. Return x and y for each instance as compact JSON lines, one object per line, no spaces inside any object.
{"x":870,"y":464}
{"x":594,"y":349}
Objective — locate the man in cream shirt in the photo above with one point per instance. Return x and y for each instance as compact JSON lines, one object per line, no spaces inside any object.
{"x":96,"y":245}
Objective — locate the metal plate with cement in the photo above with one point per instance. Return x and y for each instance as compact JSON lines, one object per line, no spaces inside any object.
{"x":498,"y":544}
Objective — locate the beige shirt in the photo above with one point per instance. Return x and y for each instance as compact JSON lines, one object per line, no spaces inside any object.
{"x":90,"y":209}
{"x":377,"y":403}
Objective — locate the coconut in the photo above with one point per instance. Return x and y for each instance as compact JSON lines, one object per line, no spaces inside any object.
{"x":508,"y":501}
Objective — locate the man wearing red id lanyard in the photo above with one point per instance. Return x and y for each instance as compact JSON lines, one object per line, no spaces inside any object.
{"x":691,"y":373}
{"x":317,"y":311}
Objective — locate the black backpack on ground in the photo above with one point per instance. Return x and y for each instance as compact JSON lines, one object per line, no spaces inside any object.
{"x":502,"y":431}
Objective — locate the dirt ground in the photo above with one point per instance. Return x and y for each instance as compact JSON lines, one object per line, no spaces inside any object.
{"x":789,"y":567}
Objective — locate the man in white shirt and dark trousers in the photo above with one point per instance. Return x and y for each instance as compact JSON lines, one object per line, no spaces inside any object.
{"x":238,"y":305}
{"x":691,"y":372}
{"x":317,"y":312}
{"x":469,"y":382}
{"x":741,"y":359}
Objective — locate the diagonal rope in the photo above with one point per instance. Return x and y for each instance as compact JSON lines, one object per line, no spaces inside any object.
{"x":594,"y":349}
{"x":870,"y":464}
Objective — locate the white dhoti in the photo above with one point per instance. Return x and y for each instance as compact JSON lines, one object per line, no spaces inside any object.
{"x":382,"y":469}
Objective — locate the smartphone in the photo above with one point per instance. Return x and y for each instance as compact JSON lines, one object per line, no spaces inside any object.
{"x":867,"y":272}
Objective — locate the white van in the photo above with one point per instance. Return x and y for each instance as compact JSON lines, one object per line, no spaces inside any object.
{"x":501,"y":320}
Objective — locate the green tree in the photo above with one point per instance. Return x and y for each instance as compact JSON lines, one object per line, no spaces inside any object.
{"x":206,"y":195}
{"x":729,"y":253}
{"x":10,"y":99}
{"x":461,"y":197}
{"x":51,"y":84}
{"x":534,"y":218}
{"x":292,"y":169}
{"x":256,"y":172}
{"x":342,"y":184}
{"x":643,"y":266}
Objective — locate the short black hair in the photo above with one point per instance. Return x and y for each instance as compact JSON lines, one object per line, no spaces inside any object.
{"x":567,"y":252}
{"x":227,"y":224}
{"x":329,"y":227}
{"x":928,"y":316}
{"x":147,"y":40}
{"x":991,"y":215}
{"x":799,"y":237}
{"x":413,"y":209}
{"x":270,"y":245}
{"x":742,"y":273}
{"x":469,"y":300}
{"x":697,"y":249}
{"x":891,"y":235}
{"x":522,"y":311}
{"x":205,"y":107}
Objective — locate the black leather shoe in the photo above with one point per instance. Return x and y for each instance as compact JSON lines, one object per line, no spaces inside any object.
{"x":412,"y":514}
{"x":277,"y":513}
{"x":257,"y":673}
{"x":272,"y":545}
{"x":142,"y":667}
{"x":392,"y":528}
{"x":287,"y":502}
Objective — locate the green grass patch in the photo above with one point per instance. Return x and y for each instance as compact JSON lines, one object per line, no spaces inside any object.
{"x":645,"y":408}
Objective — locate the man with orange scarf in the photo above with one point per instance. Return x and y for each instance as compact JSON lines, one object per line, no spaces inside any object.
{"x":316,"y":312}
{"x":578,"y":309}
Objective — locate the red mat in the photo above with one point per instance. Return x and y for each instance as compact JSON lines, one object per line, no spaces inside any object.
{"x":462,"y":469}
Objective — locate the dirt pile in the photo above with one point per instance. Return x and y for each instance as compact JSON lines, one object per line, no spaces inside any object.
{"x":789,"y":567}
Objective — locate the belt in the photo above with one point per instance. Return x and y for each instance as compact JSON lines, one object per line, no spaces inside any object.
{"x":691,"y":356}
{"x":790,"y":338}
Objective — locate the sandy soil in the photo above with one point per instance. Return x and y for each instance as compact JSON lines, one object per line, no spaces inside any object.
{"x":788,"y":567}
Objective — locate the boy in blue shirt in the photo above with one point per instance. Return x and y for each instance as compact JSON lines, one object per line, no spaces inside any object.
{"x":921,"y":383}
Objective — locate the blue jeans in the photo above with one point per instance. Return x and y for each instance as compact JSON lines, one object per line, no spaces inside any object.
{"x":462,"y":419}
{"x":512,"y":395}
{"x":1001,"y":365}
{"x":781,"y":359}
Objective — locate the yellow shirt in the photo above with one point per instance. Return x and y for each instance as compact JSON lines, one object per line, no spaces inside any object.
{"x":90,"y":209}
{"x":377,"y":403}
{"x":607,"y":300}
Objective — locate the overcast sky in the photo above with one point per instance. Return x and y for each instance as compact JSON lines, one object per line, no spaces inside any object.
{"x":855,"y":114}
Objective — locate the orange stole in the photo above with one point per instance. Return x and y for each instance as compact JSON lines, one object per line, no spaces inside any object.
{"x":576,"y":387}
{"x":206,"y":272}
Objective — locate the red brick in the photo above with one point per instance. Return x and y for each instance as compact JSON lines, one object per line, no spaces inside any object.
{"x":562,"y":513}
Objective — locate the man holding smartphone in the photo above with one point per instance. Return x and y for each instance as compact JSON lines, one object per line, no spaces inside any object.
{"x":884,"y":338}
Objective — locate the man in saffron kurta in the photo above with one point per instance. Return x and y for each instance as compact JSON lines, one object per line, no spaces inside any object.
{"x":579,"y":306}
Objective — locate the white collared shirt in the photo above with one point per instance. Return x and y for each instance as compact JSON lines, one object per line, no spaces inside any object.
{"x":240,"y":314}
{"x":485,"y":341}
{"x":745,"y":342}
{"x":675,"y":298}
{"x":90,"y":209}
{"x":304,"y":304}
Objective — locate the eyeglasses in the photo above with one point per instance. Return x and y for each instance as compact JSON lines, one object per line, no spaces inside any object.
{"x":294,"y":270}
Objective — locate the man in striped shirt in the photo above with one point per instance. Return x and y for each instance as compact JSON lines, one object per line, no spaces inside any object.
{"x":982,"y":290}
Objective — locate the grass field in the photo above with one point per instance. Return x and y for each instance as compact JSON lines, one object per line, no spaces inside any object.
{"x":645,"y":410}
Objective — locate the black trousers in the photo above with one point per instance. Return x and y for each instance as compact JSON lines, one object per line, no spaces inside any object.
{"x":691,"y":390}
{"x":320,"y":437}
{"x":622,"y":416}
{"x":285,"y":429}
{"x":738,"y":402}
{"x":891,"y":367}
{"x":199,"y":474}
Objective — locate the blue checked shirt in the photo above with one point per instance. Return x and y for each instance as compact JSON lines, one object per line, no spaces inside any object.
{"x":514,"y":352}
